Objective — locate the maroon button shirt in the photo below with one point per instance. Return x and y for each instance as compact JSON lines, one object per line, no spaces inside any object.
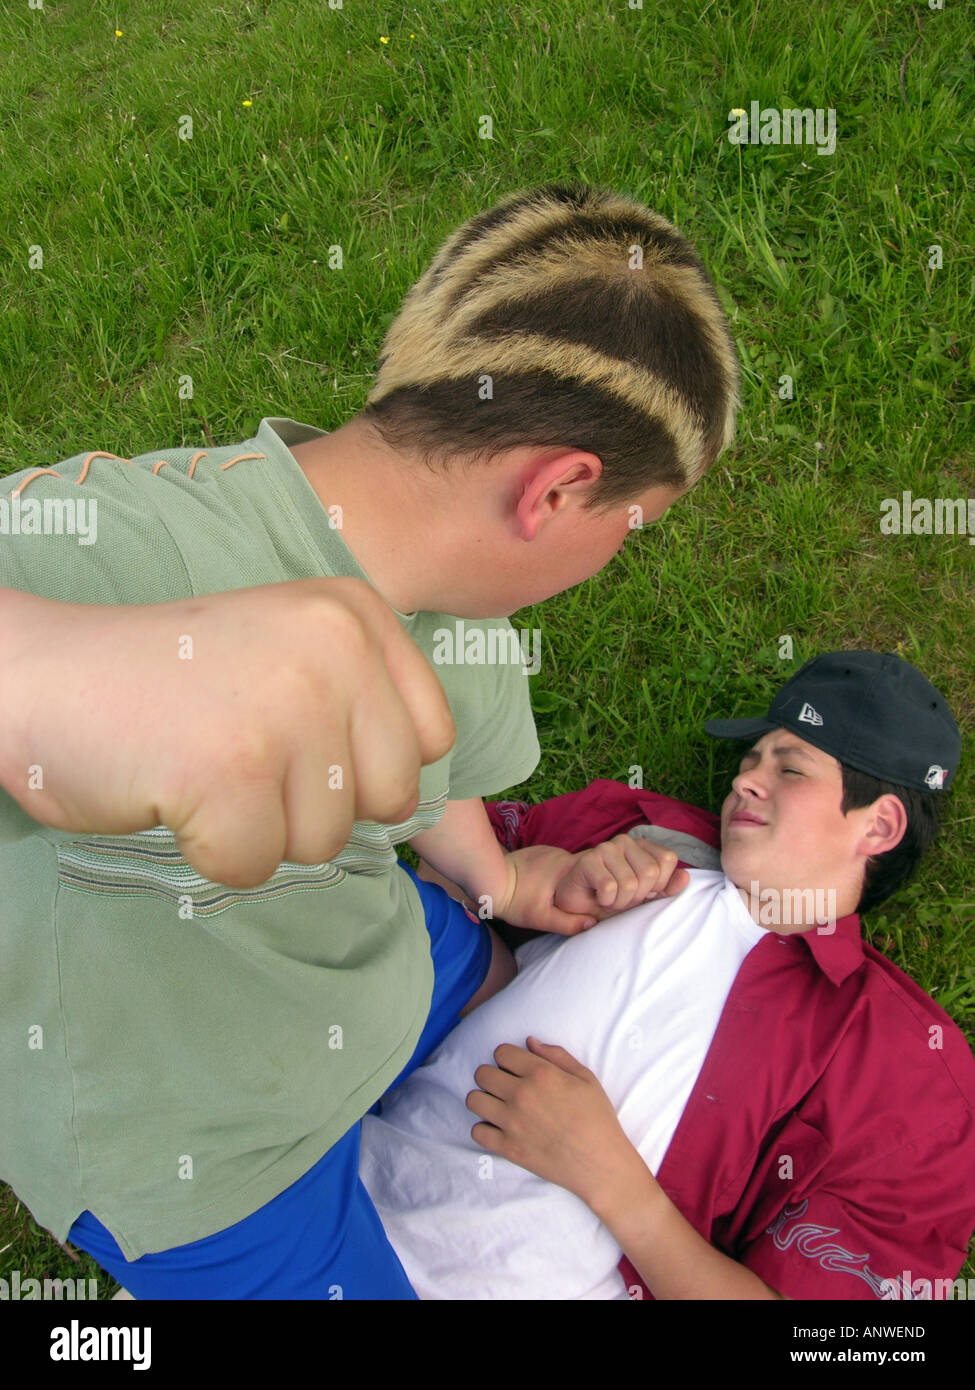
{"x":828,"y":1143}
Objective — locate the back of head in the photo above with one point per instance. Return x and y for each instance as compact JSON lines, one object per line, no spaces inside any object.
{"x":565,"y":315}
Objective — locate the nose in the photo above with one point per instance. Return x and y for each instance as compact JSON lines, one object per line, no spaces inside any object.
{"x":750,"y":783}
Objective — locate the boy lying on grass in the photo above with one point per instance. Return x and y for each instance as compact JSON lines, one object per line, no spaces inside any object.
{"x":746,"y":1101}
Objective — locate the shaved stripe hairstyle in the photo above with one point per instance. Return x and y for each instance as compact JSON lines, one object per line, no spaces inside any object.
{"x":598,"y":327}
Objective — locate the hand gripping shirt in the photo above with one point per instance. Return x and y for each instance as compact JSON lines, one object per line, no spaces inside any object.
{"x":175,"y":1053}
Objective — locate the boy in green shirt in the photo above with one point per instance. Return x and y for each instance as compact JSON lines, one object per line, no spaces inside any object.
{"x":219,"y":961}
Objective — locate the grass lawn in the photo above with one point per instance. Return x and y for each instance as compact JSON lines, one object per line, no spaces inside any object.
{"x":360,"y":127}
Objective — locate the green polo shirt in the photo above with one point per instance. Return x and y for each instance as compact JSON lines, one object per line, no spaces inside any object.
{"x":175,"y":1052}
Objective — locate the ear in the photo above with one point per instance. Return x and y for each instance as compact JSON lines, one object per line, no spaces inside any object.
{"x":885,"y":824}
{"x":558,"y":471}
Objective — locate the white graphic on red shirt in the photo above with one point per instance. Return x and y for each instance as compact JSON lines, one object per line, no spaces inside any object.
{"x":814,"y":1243}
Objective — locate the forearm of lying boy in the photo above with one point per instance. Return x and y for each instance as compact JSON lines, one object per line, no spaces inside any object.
{"x":671,"y":1258}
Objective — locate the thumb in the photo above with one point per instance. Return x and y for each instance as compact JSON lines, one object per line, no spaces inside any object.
{"x":565,"y":923}
{"x":679,"y":880}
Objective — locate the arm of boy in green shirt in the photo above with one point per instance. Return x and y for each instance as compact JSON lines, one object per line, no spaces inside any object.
{"x":519,"y":886}
{"x":463,"y":848}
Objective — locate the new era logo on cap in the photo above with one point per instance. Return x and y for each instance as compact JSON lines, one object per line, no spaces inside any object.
{"x":807,"y":715}
{"x":935,"y":777}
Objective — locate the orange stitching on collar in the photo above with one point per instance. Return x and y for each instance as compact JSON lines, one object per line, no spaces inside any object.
{"x":99,"y":455}
{"x":163,"y":463}
{"x":36,"y":474}
{"x":231,"y":462}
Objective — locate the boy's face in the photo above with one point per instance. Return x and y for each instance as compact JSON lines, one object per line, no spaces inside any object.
{"x":781,"y":823}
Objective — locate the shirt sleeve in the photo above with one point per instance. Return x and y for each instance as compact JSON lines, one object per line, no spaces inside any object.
{"x":497,"y":744}
{"x":900,"y":1231}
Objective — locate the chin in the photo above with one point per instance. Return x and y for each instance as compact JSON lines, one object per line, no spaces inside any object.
{"x":479,"y":610}
{"x":741,"y":874}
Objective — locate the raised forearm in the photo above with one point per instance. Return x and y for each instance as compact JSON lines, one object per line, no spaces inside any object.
{"x":671,"y":1258}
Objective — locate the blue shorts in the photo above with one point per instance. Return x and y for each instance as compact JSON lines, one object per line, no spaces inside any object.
{"x":321,"y":1238}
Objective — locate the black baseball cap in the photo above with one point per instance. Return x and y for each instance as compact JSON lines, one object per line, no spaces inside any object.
{"x":870,"y":710}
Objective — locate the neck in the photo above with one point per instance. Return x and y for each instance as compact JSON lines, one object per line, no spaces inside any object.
{"x":789,"y":910}
{"x":409,"y":530}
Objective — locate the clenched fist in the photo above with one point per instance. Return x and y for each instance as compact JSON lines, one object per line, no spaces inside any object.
{"x":233,"y":748}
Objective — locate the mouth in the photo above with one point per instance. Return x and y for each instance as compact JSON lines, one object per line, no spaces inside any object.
{"x":746,"y":818}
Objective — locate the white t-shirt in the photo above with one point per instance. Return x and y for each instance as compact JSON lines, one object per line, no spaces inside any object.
{"x":636,"y":999}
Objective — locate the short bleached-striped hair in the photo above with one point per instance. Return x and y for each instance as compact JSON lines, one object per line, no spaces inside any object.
{"x":589,"y":344}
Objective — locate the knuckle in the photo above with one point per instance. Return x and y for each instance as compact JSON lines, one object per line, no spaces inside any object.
{"x":402,"y":799}
{"x":347,"y":630}
{"x":444,"y":737}
{"x":249,"y":756}
{"x":338,"y":605}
